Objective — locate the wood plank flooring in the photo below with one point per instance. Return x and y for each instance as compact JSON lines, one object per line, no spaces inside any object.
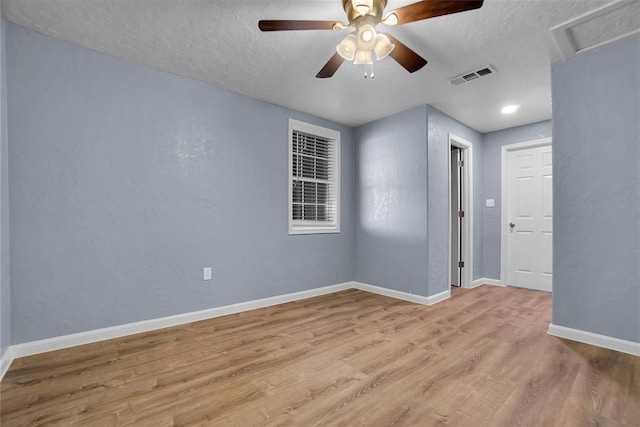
{"x":347,"y":359}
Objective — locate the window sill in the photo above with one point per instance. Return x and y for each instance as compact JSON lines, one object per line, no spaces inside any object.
{"x":313,"y":230}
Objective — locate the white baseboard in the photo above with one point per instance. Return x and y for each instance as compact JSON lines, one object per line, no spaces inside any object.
{"x":96,"y":335}
{"x":605,"y":341}
{"x":5,"y":362}
{"x":65,"y":341}
{"x":485,"y":281}
{"x":418,"y":299}
{"x":439,"y":297}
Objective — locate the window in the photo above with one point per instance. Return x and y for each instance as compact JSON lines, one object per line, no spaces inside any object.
{"x":314,"y":179}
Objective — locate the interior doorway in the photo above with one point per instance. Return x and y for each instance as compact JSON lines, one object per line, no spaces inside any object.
{"x":455,"y":199}
{"x":460,"y":212}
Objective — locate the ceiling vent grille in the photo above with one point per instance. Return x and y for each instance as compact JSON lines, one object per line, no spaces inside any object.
{"x":487,"y":70}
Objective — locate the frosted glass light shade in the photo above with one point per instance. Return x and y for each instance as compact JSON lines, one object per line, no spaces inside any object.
{"x":383,"y":47}
{"x":366,"y":36}
{"x":347,"y":47}
{"x":363,"y":57}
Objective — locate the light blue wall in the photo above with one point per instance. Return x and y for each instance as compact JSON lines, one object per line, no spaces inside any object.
{"x":491,"y":163}
{"x":596,"y":131}
{"x":402,"y":214}
{"x":440,"y":126}
{"x":5,"y":287}
{"x":391,"y":212}
{"x":126,"y":181}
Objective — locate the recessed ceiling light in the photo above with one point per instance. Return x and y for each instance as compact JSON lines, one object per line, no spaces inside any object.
{"x":510,"y":109}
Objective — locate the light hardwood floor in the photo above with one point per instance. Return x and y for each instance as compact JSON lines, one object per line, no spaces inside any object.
{"x":349,"y":358}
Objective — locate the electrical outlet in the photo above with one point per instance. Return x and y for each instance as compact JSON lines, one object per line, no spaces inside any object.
{"x":206,"y":273}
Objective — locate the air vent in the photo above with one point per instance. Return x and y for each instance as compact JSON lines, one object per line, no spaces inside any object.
{"x":487,"y":70}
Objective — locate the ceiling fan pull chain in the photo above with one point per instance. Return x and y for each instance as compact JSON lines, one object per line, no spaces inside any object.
{"x":369,"y":74}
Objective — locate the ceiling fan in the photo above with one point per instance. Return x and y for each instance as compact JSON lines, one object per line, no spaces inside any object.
{"x":364,"y":41}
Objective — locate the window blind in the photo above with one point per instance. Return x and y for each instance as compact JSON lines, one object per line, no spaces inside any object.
{"x":313,"y":192}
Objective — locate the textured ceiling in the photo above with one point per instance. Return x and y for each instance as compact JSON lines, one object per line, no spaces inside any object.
{"x":218,"y":42}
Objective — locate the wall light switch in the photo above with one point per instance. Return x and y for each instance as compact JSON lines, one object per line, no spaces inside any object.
{"x":490,"y":203}
{"x":206,"y":273}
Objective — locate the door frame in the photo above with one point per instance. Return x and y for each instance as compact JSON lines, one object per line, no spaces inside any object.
{"x":504,"y":194}
{"x":466,"y":154}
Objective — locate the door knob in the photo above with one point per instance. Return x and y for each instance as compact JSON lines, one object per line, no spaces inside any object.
{"x":511,"y":225}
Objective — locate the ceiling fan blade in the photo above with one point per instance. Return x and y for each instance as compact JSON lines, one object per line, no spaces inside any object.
{"x":287,"y":25}
{"x":404,"y":56}
{"x":432,"y":8}
{"x":330,"y":67}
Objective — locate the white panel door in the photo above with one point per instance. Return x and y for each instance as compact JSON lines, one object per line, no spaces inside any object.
{"x":529,"y":199}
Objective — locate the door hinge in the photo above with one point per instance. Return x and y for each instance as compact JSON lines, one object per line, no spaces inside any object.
{"x":460,"y":214}
{"x":460,"y":264}
{"x":460,"y":163}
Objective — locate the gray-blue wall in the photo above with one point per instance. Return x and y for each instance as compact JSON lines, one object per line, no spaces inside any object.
{"x":391,"y":192}
{"x":402,"y":214}
{"x":596,"y":149}
{"x":126,"y":181}
{"x":5,"y":287}
{"x":490,"y":161}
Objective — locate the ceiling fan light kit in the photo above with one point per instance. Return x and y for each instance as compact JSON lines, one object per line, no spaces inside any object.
{"x":364,"y":41}
{"x":357,"y":46}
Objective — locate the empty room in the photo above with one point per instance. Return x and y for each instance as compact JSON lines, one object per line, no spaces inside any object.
{"x":320,"y":212}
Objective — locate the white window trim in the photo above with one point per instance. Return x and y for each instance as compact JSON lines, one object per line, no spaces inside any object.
{"x":312,"y":227}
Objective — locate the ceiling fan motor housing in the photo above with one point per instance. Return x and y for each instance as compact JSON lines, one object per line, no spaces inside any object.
{"x":376,"y":10}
